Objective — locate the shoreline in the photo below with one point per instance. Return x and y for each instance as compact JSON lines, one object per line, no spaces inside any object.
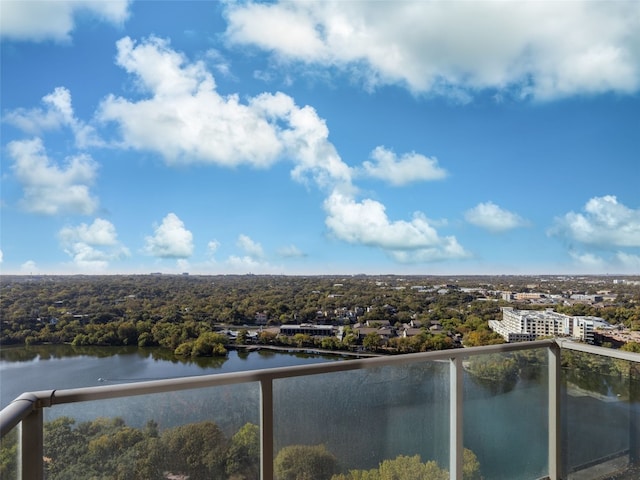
{"x":309,"y":350}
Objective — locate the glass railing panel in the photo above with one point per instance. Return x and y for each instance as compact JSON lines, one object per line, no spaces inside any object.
{"x":360,"y":419}
{"x":506,"y":414}
{"x":203,"y":433}
{"x":601,"y":415}
{"x":9,"y":455}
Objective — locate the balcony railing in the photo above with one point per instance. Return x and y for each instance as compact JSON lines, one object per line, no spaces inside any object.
{"x":545,"y":409}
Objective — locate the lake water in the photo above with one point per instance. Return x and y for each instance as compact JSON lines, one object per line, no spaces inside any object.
{"x":364,"y":416}
{"x":45,"y":367}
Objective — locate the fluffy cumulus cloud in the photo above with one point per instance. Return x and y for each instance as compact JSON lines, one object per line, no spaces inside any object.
{"x":54,"y":20}
{"x":92,"y":246}
{"x":490,"y":216}
{"x":57,"y":113}
{"x":366,"y":222}
{"x":183,"y":118}
{"x":544,"y":49}
{"x":410,"y":167}
{"x":170,"y":239}
{"x":50,"y":188}
{"x":604,"y":222}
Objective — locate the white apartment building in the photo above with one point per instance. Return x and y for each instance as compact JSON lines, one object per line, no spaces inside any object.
{"x":527,"y":325}
{"x":584,"y":327}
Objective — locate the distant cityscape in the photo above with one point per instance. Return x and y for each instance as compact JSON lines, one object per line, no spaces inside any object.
{"x":381,"y":314}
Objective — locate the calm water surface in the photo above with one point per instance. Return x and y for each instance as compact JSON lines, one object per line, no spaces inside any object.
{"x":48,"y":367}
{"x":364,"y":416}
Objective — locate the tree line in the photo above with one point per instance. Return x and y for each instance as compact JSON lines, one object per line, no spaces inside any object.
{"x":108,"y":449}
{"x":173,"y":310}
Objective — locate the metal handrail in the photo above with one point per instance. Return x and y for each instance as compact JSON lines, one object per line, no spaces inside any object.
{"x":27,"y":408}
{"x":57,"y":397}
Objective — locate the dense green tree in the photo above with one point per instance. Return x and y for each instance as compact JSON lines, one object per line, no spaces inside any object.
{"x":330,"y":343}
{"x":470,"y":465}
{"x":631,"y":347}
{"x":372,"y":341}
{"x":243,"y":459}
{"x":174,"y":309}
{"x":197,"y":450}
{"x":9,"y":455}
{"x":305,"y":462}
{"x":476,"y":338}
{"x":405,"y":467}
{"x":302,"y":340}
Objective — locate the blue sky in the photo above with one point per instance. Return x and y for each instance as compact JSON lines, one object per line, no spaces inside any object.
{"x":320,"y":137}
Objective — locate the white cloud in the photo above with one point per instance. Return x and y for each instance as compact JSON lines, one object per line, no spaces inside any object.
{"x":618,"y":262}
{"x":588,"y":261}
{"x":185,"y":120}
{"x":410,"y":167}
{"x":49,"y":188}
{"x":490,"y":216}
{"x":604,"y":223}
{"x":291,"y":251}
{"x":218,"y":61}
{"x":366,"y":223}
{"x":92,"y":246}
{"x":1,"y":256}
{"x":630,"y":262}
{"x":100,"y":233}
{"x":305,"y":140}
{"x":245,"y":264}
{"x":545,"y":49}
{"x":212,"y":247}
{"x":29,"y":267}
{"x":58,"y":113}
{"x":183,"y":265}
{"x":55,"y":20}
{"x":170,"y":239}
{"x":251,"y":248}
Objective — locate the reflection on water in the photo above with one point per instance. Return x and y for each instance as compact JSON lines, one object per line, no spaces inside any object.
{"x":362,"y":416}
{"x":45,"y":367}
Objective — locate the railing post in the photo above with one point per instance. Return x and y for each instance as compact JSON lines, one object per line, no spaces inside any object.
{"x":31,"y":457}
{"x":455,"y":418}
{"x":634,"y":419}
{"x":266,"y":429}
{"x":555,"y":423}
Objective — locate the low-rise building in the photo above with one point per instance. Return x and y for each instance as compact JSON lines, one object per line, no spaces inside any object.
{"x":527,"y":325}
{"x":308,"y":329}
